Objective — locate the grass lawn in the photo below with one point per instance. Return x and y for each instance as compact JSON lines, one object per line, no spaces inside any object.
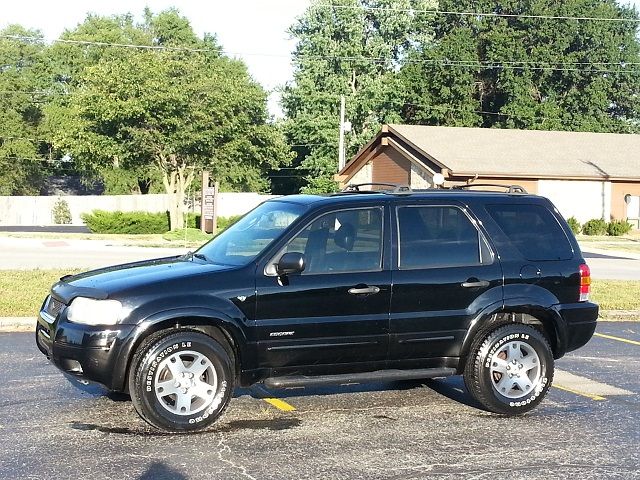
{"x":616,"y":294}
{"x":22,"y":292}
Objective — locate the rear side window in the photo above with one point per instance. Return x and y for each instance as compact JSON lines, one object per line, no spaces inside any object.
{"x":533,"y":230}
{"x":439,"y":236}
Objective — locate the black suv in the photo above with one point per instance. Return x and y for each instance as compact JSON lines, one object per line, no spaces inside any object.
{"x":353,"y":287}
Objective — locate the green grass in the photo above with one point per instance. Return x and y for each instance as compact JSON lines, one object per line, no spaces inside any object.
{"x":616,"y":294}
{"x":22,"y":292}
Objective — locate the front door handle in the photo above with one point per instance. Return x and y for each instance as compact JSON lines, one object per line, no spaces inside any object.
{"x":475,"y":283}
{"x":364,"y":290}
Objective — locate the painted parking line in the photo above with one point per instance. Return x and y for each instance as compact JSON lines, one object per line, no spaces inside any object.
{"x":586,"y":387}
{"x":262,"y":393}
{"x":280,"y":404}
{"x":619,"y":339}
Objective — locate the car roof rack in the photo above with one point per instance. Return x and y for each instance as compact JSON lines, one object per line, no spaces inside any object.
{"x":509,"y":188}
{"x":395,"y":188}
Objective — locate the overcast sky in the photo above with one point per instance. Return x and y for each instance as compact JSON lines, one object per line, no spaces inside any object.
{"x":253,"y":29}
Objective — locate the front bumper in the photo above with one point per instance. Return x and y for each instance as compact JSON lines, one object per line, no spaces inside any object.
{"x":95,"y":354}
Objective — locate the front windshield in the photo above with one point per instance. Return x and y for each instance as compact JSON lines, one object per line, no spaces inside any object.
{"x":244,"y":240}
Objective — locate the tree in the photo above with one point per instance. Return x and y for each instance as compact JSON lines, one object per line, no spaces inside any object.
{"x":179,"y":111}
{"x":22,"y":93}
{"x":352,"y":48}
{"x":519,"y":72}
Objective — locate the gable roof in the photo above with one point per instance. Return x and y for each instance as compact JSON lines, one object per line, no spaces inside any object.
{"x":523,"y":153}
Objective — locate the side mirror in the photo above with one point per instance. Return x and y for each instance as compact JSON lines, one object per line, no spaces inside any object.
{"x":292,"y":262}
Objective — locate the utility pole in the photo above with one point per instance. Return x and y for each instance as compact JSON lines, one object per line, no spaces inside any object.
{"x":345,"y":126}
{"x":341,"y":142}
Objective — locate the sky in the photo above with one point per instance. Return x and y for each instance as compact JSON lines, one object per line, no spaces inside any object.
{"x":254,"y":30}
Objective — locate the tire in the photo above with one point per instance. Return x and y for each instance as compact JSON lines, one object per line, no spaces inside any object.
{"x":181,"y":382}
{"x":510,"y":369}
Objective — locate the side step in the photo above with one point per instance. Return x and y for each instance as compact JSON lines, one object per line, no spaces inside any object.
{"x":365,"y":377}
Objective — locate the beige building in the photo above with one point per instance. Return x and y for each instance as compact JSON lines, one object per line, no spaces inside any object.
{"x":586,"y":175}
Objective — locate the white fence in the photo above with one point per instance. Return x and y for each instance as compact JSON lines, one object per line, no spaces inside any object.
{"x":37,"y":210}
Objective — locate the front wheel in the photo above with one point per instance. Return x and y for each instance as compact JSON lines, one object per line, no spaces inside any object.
{"x":509,"y":370}
{"x":181,"y":382}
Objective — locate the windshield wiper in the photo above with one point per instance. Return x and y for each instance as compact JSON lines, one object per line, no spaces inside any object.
{"x":191,"y":255}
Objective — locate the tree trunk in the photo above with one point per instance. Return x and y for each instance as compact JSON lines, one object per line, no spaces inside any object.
{"x":176,"y":183}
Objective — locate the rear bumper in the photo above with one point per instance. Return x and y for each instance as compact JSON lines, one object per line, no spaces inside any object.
{"x":579,"y":323}
{"x":88,"y":353}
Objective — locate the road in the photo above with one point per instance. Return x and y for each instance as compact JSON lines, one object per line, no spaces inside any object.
{"x":29,"y":253}
{"x":586,"y":428}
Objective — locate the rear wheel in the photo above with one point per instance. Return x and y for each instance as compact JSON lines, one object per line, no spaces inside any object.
{"x":509,"y":370}
{"x":181,"y":381}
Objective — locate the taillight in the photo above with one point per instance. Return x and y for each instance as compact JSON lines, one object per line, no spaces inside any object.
{"x":585,"y":282}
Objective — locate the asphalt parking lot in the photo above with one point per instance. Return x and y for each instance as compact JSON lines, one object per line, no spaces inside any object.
{"x":587,"y":427}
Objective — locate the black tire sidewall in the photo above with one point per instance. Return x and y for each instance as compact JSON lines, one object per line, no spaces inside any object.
{"x":496,"y":340}
{"x":144,"y":381}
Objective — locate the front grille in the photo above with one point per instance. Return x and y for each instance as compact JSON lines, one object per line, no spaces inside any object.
{"x":54,"y":307}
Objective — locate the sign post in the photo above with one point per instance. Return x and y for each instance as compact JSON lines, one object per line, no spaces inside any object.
{"x":209,"y":204}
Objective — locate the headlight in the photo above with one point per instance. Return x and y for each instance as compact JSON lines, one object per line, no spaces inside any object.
{"x":94,"y":312}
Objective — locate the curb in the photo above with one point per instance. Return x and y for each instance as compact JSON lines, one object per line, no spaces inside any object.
{"x":610,"y":252}
{"x":619,"y":316}
{"x":17,"y":324}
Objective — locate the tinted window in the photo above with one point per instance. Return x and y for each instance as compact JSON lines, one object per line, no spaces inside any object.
{"x":343,"y":241}
{"x":533,"y":230}
{"x":439,"y":237}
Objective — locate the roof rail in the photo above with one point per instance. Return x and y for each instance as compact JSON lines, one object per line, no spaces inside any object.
{"x":395,"y":188}
{"x":509,"y":188}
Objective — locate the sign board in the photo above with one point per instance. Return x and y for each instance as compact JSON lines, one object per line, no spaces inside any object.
{"x":208,"y":202}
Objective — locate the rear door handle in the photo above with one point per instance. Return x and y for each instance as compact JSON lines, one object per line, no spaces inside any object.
{"x":475,"y":284}
{"x":364,"y":290}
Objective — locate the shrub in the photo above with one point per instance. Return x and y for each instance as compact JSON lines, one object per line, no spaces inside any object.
{"x":61,"y":212}
{"x":617,"y":228}
{"x":101,"y":221}
{"x":574,"y":224}
{"x":595,"y":226}
{"x":226,"y":222}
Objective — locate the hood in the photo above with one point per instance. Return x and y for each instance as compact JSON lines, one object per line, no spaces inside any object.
{"x":104,"y":282}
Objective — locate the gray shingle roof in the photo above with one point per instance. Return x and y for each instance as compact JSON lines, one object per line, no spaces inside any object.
{"x":528,"y":153}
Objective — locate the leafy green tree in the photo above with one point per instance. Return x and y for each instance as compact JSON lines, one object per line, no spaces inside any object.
{"x":178,"y":111}
{"x":22,"y":93}
{"x":346,"y":48}
{"x":518,"y":72}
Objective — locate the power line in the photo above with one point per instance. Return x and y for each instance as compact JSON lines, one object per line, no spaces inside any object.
{"x":486,"y":64}
{"x":476,"y":14}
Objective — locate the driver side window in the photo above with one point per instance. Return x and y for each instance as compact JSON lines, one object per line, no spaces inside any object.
{"x":342,"y":241}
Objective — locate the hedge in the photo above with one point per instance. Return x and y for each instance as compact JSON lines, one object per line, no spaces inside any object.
{"x":101,"y":221}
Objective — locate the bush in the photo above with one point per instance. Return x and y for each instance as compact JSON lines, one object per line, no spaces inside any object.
{"x":574,"y":224}
{"x":226,"y":222}
{"x":617,"y":228}
{"x":596,"y":226}
{"x":101,"y":221}
{"x":61,"y":212}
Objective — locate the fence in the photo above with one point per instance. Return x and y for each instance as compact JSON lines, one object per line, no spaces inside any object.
{"x":37,"y":210}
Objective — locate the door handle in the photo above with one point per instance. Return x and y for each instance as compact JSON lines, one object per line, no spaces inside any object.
{"x":475,"y":284}
{"x":364,"y":290}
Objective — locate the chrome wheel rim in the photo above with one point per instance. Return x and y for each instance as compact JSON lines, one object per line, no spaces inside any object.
{"x":185,"y":383}
{"x":515,"y":369}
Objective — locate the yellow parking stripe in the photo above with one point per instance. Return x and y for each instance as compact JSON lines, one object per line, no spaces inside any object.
{"x":582,"y":394}
{"x":611,"y":337}
{"x":280,"y":404}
